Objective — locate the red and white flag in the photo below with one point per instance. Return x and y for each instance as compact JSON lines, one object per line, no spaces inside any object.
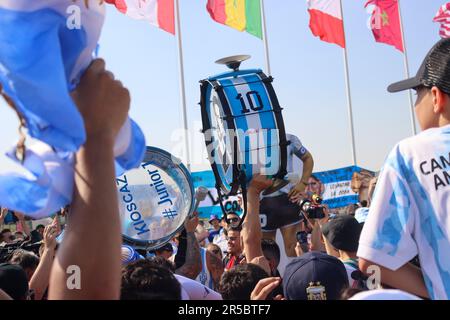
{"x":159,"y":13}
{"x":443,"y":17}
{"x":326,"y":20}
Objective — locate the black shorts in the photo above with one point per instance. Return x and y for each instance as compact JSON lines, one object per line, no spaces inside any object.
{"x":278,"y":212}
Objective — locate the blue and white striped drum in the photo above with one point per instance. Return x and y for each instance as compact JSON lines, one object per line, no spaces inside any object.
{"x":154,"y":200}
{"x":243,"y":128}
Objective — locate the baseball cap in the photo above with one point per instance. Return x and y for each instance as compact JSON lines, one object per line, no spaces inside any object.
{"x":213,"y":217}
{"x":13,"y":280}
{"x":314,"y":276}
{"x":343,"y":233}
{"x":434,"y":71}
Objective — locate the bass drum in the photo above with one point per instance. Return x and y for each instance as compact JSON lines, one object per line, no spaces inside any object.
{"x":243,"y":128}
{"x":154,"y":200}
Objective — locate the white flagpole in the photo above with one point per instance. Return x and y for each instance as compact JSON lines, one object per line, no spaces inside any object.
{"x":182,"y":87}
{"x":349,"y":98}
{"x":405,"y":60}
{"x":266,"y":43}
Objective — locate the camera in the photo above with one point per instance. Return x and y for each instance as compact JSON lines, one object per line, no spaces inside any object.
{"x":313,"y":208}
{"x":302,"y":237}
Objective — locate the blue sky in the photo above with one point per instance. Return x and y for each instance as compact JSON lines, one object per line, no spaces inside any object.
{"x":309,"y":76}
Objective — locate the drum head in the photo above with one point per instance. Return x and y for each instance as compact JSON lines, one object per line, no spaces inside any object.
{"x":154,"y":200}
{"x":221,"y":136}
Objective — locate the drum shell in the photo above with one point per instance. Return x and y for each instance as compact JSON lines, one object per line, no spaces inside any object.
{"x":249,"y":108}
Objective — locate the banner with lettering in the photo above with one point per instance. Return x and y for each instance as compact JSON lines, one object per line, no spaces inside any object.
{"x":211,"y":204}
{"x":341,"y":187}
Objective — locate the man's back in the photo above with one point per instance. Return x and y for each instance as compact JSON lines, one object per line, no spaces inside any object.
{"x":409,"y":212}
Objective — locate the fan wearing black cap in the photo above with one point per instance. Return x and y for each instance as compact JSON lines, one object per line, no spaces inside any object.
{"x":409,"y":212}
{"x":342,"y":234}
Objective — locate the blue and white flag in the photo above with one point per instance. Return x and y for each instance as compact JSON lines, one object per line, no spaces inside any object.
{"x":45,"y":46}
{"x":335,"y":186}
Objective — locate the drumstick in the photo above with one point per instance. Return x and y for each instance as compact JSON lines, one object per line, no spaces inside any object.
{"x":200,"y":195}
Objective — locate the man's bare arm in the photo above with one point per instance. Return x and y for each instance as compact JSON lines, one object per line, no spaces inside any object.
{"x":215,"y":267}
{"x":92,"y":238}
{"x":407,"y":278}
{"x":251,"y":227}
{"x":40,"y":279}
{"x":193,"y":264}
{"x":308,"y":166}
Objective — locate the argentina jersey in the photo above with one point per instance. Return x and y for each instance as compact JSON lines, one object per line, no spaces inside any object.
{"x":204,"y":277}
{"x":409,"y":212}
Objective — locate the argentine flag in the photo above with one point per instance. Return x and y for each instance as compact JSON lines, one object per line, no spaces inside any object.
{"x":45,"y":46}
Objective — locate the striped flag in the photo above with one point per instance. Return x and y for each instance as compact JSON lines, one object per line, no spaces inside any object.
{"x":326,"y":21}
{"x":45,"y":47}
{"x":443,"y":17}
{"x":242,"y":15}
{"x":159,"y":13}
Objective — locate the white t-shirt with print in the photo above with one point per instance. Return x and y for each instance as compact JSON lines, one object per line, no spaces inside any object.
{"x":410,"y":211}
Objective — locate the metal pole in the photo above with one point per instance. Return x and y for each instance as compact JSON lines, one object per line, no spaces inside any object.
{"x":349,"y":99}
{"x":405,"y":60}
{"x":182,"y":87}
{"x":266,"y":43}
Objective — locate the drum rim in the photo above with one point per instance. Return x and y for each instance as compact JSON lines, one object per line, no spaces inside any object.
{"x":156,"y":244}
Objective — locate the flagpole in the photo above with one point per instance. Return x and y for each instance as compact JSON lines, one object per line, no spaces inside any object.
{"x":266,"y":43}
{"x":349,"y":98}
{"x":405,"y":61}
{"x":182,"y":86}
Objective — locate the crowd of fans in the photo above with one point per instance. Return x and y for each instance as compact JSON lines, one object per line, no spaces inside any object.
{"x":396,"y":249}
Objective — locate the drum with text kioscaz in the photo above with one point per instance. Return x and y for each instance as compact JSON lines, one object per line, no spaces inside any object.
{"x":154,"y":200}
{"x":243,"y":127}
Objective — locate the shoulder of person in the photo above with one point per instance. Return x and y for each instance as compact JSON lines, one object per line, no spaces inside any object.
{"x":262,"y":262}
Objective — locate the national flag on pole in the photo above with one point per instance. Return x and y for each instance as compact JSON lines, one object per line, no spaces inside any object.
{"x":443,"y":17}
{"x":326,"y":21}
{"x":159,"y":13}
{"x":242,"y":15}
{"x":385,"y":22}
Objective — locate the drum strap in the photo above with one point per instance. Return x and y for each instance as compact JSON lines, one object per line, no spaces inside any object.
{"x":243,"y":184}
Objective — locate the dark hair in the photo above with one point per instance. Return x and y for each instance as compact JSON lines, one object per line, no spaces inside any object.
{"x":13,"y":281}
{"x":163,"y":262}
{"x":3,"y":232}
{"x":146,"y":280}
{"x":239,"y":282}
{"x":166,"y":247}
{"x":232,"y":228}
{"x":25,"y":259}
{"x":364,"y":203}
{"x":270,"y":249}
{"x":40,"y":226}
{"x":216,"y":249}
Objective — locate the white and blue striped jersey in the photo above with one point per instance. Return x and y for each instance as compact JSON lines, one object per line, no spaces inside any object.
{"x":409,"y":214}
